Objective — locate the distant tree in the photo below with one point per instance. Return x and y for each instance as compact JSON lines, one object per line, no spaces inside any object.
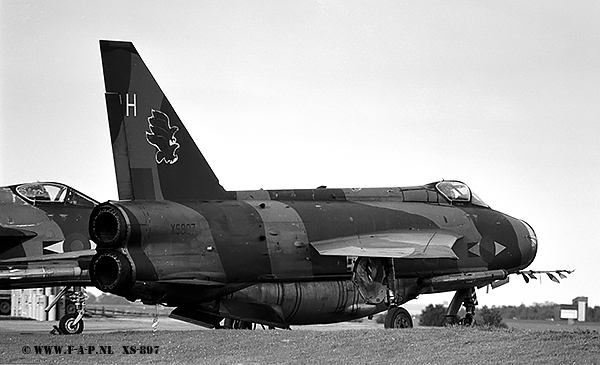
{"x":593,"y":314}
{"x":490,"y":317}
{"x":537,"y":311}
{"x":522,"y":311}
{"x":433,"y":316}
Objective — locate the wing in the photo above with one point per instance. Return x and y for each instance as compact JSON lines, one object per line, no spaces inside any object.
{"x":408,"y":244}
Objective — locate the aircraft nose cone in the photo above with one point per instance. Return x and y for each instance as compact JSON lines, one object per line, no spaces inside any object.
{"x":528,"y":244}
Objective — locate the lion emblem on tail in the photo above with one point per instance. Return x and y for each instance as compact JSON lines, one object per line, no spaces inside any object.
{"x":162,"y":137}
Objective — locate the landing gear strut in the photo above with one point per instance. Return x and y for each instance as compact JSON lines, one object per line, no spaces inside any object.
{"x":72,"y":322}
{"x":396,"y":317}
{"x":468,"y":298}
{"x":375,"y":279}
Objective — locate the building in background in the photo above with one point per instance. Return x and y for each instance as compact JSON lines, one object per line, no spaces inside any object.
{"x":575,"y":311}
{"x":31,"y":303}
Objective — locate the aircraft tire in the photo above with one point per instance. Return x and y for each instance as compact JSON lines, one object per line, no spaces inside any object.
{"x":467,"y":321}
{"x":398,"y":317}
{"x":67,"y":325}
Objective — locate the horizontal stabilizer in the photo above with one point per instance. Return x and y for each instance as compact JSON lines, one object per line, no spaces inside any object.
{"x":406,"y":244}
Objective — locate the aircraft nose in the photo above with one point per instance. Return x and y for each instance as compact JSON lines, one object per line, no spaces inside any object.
{"x":528,"y":244}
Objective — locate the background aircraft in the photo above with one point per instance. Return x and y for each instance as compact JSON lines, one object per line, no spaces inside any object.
{"x":278,"y":257}
{"x":45,"y":243}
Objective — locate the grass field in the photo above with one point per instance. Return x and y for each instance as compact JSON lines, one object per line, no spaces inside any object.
{"x":357,"y":346}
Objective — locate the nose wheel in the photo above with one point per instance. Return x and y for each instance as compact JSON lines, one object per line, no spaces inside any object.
{"x":72,"y":322}
{"x":468,"y":298}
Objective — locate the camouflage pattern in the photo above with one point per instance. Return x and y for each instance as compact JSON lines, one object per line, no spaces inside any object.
{"x":277,"y":257}
{"x":44,"y":235}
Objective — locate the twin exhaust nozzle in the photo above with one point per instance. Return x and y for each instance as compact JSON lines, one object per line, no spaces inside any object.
{"x":108,"y":226}
{"x":110,"y":270}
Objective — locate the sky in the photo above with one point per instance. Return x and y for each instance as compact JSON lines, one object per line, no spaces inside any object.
{"x":504,"y":96}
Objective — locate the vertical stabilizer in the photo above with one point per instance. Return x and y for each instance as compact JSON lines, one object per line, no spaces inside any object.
{"x":155,"y":157}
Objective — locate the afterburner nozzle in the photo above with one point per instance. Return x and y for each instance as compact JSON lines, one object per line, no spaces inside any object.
{"x":108,"y":226}
{"x":111,"y":272}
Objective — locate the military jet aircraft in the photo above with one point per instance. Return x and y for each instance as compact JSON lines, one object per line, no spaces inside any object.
{"x":45,"y":243}
{"x":278,"y":257}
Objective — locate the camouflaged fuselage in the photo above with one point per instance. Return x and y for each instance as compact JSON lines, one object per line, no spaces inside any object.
{"x":262,"y":244}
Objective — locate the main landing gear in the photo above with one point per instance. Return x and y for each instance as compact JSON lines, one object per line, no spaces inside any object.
{"x":237,"y":324}
{"x":376,"y":283}
{"x":397,"y":317}
{"x":72,"y":322}
{"x":468,"y":298}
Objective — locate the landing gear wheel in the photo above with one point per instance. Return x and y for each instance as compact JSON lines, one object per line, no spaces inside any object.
{"x":398,"y":317}
{"x":68,"y":326}
{"x":468,"y":320}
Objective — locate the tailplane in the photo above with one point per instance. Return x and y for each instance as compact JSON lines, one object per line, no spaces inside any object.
{"x":155,"y":157}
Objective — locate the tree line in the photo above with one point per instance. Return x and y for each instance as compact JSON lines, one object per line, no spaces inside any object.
{"x":494,"y":316}
{"x":543,"y":311}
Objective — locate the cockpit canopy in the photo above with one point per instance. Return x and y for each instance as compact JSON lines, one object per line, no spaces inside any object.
{"x":458,"y":192}
{"x":39,"y":192}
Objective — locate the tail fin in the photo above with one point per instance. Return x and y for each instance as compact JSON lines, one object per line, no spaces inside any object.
{"x":155,"y":157}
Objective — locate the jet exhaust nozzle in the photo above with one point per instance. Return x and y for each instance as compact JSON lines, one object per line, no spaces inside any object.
{"x":108,"y":226}
{"x":111,"y":272}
